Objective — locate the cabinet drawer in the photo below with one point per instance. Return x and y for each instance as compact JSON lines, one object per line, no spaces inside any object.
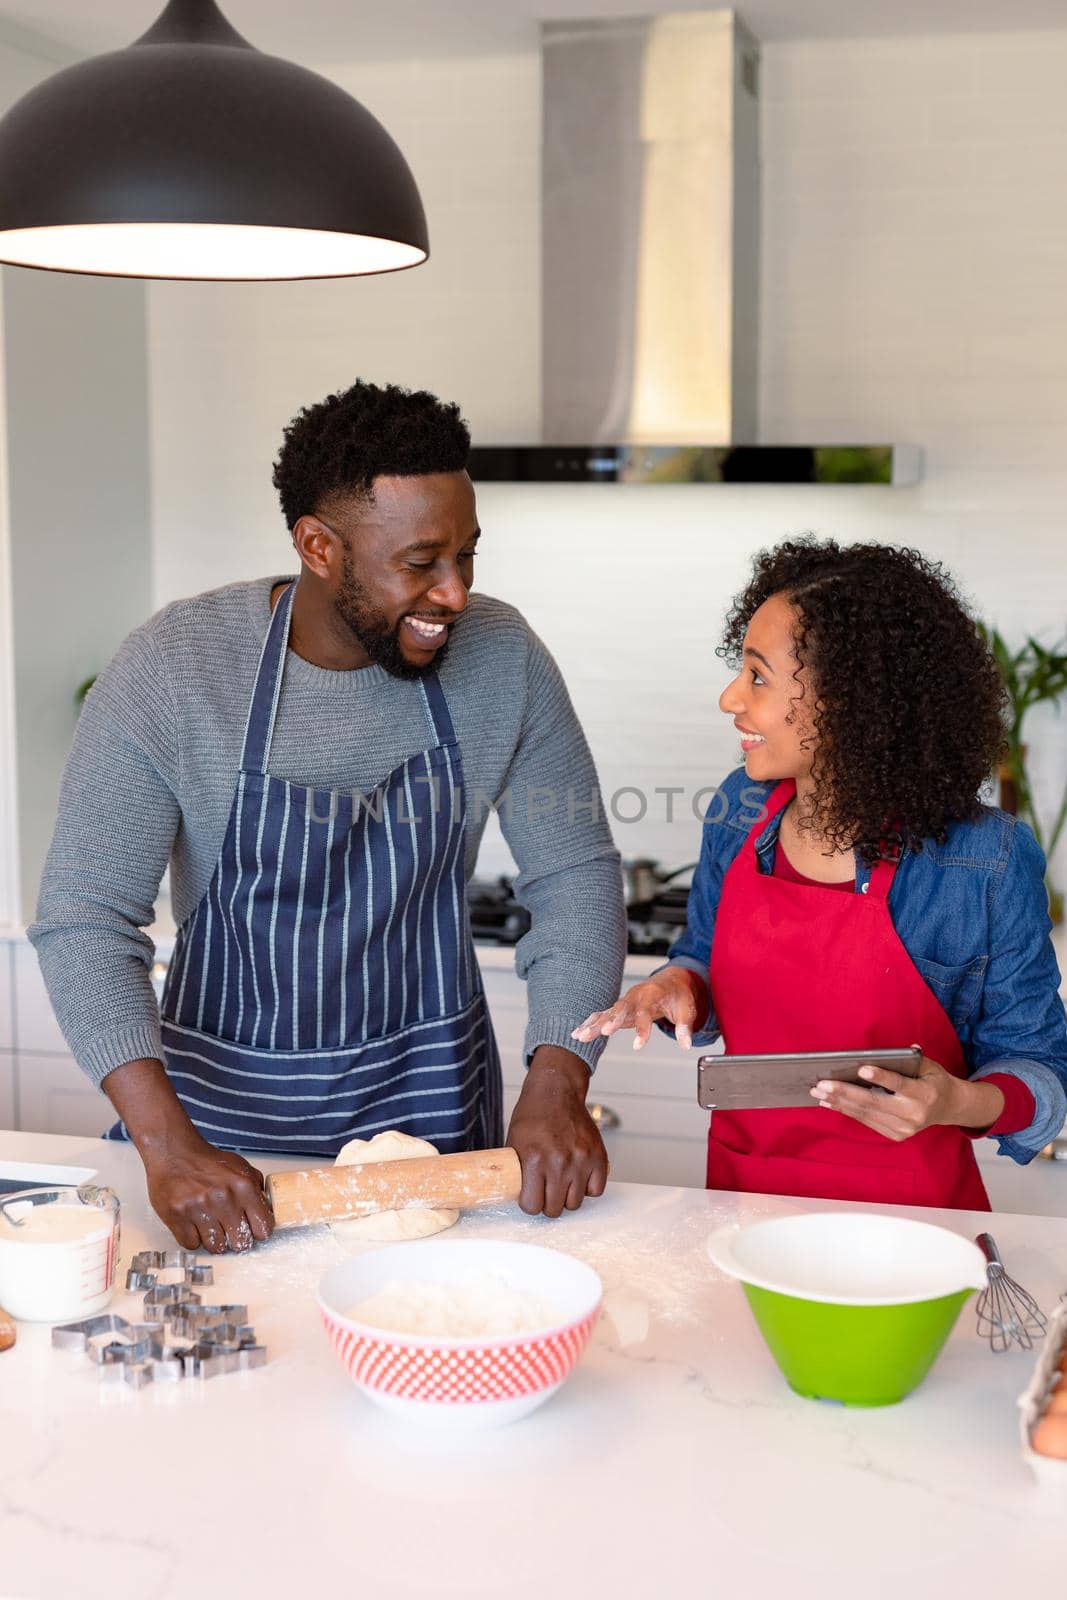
{"x":55,"y":1096}
{"x":7,"y":994}
{"x":35,"y":1025}
{"x":672,"y":1161}
{"x":660,"y":1069}
{"x":1039,"y":1189}
{"x":648,"y":1117}
{"x":7,"y":1089}
{"x":651,"y":1144}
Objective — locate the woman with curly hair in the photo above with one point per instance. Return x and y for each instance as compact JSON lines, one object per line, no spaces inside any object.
{"x":853,"y":894}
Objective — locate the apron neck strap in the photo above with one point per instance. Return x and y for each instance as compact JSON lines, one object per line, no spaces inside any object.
{"x":263,"y":710}
{"x":437,"y":708}
{"x":881,"y":880}
{"x":259,"y":729}
{"x":882,"y":873}
{"x":777,"y":801}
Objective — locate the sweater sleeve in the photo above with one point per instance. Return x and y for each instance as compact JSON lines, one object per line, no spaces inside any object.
{"x":551,"y":815}
{"x":117,"y":819}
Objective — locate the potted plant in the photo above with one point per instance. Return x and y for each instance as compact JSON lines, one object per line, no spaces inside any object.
{"x":1033,"y":675}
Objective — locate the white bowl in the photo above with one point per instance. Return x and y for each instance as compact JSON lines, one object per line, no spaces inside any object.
{"x":849,"y":1258}
{"x":461,"y":1383}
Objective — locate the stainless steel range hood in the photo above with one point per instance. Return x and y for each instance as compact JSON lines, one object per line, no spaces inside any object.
{"x":650,"y":265}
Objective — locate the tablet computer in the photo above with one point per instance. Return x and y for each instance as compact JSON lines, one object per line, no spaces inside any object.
{"x":770,"y":1082}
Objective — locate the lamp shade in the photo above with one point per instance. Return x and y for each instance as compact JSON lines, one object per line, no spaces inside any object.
{"x":191,"y":154}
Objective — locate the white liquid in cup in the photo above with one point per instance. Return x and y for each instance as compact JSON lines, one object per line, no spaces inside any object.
{"x":57,"y":1255}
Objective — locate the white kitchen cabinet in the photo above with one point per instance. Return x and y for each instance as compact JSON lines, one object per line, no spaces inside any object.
{"x":55,"y":1096}
{"x":1039,"y":1188}
{"x":7,"y":1088}
{"x":7,"y":995}
{"x":50,"y":1093}
{"x":653,"y":1129}
{"x":36,"y":1028}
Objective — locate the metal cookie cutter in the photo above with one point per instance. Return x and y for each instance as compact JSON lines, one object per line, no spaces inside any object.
{"x":166,"y":1295}
{"x":128,"y":1353}
{"x":209,"y":1360}
{"x":220,"y":1339}
{"x":134,"y":1374}
{"x":76,"y":1335}
{"x":136,"y":1344}
{"x":158,"y":1362}
{"x":188,"y":1319}
{"x":148,"y":1264}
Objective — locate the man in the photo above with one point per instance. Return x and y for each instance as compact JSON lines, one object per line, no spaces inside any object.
{"x":315,"y":759}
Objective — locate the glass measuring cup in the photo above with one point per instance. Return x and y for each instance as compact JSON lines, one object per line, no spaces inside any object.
{"x":58,"y":1252}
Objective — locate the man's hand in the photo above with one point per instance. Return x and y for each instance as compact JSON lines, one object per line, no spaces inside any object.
{"x":935,"y":1099}
{"x":205,"y":1196}
{"x":556,"y":1140}
{"x":675,"y":994}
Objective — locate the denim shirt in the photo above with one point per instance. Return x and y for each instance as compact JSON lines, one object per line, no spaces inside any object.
{"x":972,"y":915}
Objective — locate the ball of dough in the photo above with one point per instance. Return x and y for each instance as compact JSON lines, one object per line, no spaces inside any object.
{"x":389,"y":1227}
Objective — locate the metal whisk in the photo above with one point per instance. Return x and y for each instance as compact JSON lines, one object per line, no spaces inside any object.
{"x":1006,"y":1314}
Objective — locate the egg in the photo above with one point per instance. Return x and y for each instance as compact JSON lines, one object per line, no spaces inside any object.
{"x":1049,"y":1437}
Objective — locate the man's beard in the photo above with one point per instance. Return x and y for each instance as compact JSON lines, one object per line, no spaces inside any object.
{"x":372,"y":629}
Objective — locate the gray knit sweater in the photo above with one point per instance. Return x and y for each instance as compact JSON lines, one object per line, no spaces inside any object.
{"x":152,"y":772}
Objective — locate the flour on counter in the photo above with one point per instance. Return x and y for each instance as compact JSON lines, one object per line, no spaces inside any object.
{"x":482,"y":1307}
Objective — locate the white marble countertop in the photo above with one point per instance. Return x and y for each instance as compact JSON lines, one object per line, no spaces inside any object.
{"x":674,"y":1463}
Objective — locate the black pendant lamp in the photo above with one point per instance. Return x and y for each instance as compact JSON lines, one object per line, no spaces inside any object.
{"x":191,"y":154}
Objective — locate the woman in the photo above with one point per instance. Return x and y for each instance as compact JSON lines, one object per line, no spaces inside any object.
{"x":852,"y":893}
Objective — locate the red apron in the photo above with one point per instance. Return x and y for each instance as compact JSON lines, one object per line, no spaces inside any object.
{"x":799,"y":968}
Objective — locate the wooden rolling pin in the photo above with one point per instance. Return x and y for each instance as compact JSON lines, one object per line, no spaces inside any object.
{"x":327,"y":1194}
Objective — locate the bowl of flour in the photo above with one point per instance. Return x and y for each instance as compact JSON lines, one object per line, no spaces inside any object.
{"x":460,"y":1333}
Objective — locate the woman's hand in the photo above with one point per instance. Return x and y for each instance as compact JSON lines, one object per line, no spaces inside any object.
{"x":934,"y":1099}
{"x":675,"y":994}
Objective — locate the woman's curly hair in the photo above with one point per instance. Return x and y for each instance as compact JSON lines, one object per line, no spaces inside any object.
{"x":908,"y":708}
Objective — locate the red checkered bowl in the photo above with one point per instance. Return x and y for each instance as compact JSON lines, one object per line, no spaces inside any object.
{"x":469,"y":1383}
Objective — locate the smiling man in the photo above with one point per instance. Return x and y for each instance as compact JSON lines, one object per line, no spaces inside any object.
{"x":315,"y":758}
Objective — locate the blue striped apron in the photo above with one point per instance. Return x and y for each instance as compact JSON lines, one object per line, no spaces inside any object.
{"x":326,"y":985}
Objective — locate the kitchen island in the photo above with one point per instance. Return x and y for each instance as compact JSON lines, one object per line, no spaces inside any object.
{"x":675,"y":1462}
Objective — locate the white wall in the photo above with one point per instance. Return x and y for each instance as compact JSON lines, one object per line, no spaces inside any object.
{"x":77,"y":457}
{"x":915,"y":257}
{"x":76,"y":548}
{"x":20,"y":69}
{"x":9,"y":854}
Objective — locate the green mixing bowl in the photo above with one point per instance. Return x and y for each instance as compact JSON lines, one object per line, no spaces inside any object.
{"x":854,"y":1307}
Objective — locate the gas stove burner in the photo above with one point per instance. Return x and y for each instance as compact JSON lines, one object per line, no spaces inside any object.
{"x":496,"y":915}
{"x":652,"y":925}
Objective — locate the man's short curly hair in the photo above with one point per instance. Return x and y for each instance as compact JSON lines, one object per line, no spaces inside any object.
{"x":909,"y":708}
{"x":339,"y":446}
